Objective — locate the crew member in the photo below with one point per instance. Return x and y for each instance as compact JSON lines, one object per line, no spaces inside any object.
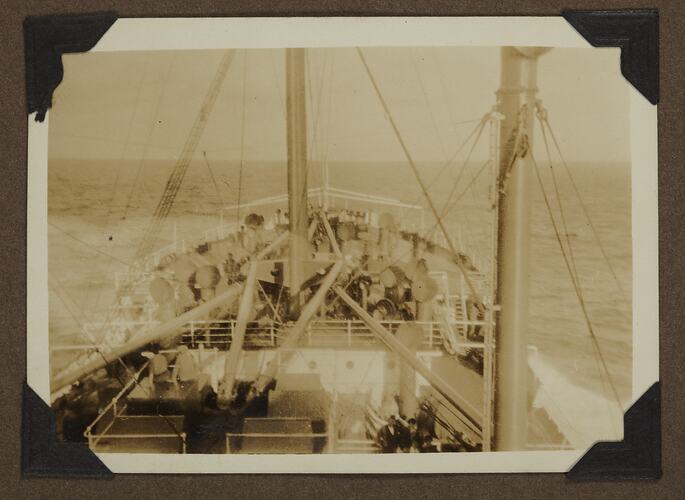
{"x":475,"y":312}
{"x":389,"y":436}
{"x":185,"y":369}
{"x":404,"y":439}
{"x":425,"y":426}
{"x":231,"y":269}
{"x":158,"y":369}
{"x":413,"y":434}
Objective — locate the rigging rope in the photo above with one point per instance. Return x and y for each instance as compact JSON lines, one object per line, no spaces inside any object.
{"x":84,"y":331}
{"x":476,"y":130}
{"x":279,"y":90}
{"x":473,"y":180}
{"x":436,"y":129}
{"x":427,"y":232}
{"x":544,"y":121}
{"x":455,"y":254}
{"x":542,"y":117}
{"x":146,"y":144}
{"x":89,"y":338}
{"x":575,"y":275}
{"x":174,"y":182}
{"x":316,"y":112}
{"x":323,"y":118}
{"x":95,"y":249}
{"x":127,"y":143}
{"x":242,"y":139}
{"x":327,"y":126}
{"x":561,"y":210}
{"x":479,"y":128}
{"x":313,"y":149}
{"x":107,"y":361}
{"x":453,"y":121}
{"x":216,"y":186}
{"x":181,"y":166}
{"x":578,"y":292}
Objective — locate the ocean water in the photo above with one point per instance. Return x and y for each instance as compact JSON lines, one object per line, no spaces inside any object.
{"x":98,"y":209}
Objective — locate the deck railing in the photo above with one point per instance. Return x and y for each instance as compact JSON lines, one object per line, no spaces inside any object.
{"x":99,"y":429}
{"x":109,"y":413}
{"x":323,"y":333}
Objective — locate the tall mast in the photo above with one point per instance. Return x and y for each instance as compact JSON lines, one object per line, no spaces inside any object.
{"x":516,"y":100}
{"x":296,"y":127}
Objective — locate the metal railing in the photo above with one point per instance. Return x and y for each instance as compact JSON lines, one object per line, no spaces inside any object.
{"x":110,"y":412}
{"x":99,"y":429}
{"x":322,"y":333}
{"x":220,"y":232}
{"x":181,"y":437}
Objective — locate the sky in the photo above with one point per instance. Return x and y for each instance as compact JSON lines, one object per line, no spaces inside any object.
{"x":133,"y":105}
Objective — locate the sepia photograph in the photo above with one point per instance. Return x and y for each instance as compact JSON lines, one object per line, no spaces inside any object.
{"x":340,"y":250}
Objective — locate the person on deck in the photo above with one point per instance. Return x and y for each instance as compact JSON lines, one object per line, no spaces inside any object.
{"x":158,"y":369}
{"x":413,"y":434}
{"x":425,"y":426}
{"x":475,"y":312}
{"x":389,"y":435}
{"x":185,"y":370}
{"x":404,"y":438}
{"x":231,"y":269}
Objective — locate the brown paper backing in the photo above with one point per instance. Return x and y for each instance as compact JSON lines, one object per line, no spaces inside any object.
{"x":13,"y":147}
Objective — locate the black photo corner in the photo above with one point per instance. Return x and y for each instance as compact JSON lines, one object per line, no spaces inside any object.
{"x":46,"y":38}
{"x":635,"y":32}
{"x":43,"y":455}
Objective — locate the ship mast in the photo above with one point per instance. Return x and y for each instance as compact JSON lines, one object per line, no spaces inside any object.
{"x":516,"y":101}
{"x":296,"y":129}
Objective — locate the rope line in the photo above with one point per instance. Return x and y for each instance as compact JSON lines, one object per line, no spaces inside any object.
{"x":434,"y":122}
{"x":148,"y":140}
{"x":575,"y":274}
{"x":211,"y":174}
{"x":473,"y":180}
{"x":174,"y":182}
{"x":127,"y":143}
{"x":84,"y":333}
{"x":578,"y":292}
{"x":242,"y":139}
{"x":97,"y":349}
{"x":476,"y":130}
{"x":462,"y":170}
{"x":545,"y":122}
{"x":88,"y":245}
{"x":327,"y":128}
{"x":418,"y":178}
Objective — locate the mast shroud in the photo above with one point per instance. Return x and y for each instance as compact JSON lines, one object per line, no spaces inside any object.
{"x":516,"y":101}
{"x":296,"y":130}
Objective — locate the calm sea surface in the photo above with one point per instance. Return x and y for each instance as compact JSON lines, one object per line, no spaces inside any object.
{"x":97,"y":211}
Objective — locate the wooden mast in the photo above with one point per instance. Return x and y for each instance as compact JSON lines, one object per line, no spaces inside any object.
{"x":296,"y":129}
{"x":516,"y":101}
